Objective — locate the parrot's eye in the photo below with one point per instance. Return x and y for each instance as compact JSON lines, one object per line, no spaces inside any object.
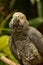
{"x":21,"y":17}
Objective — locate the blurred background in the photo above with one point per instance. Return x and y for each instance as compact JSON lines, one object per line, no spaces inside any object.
{"x":33,"y":9}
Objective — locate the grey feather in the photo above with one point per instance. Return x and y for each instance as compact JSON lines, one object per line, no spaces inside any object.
{"x":26,"y":43}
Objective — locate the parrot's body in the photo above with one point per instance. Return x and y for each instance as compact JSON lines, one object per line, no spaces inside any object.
{"x":26,"y":43}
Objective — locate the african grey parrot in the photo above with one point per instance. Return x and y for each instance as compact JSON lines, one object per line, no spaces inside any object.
{"x":26,"y":42}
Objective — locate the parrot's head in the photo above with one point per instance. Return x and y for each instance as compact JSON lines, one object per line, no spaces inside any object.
{"x":18,"y":22}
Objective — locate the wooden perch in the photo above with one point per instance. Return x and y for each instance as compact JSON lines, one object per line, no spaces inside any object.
{"x":8,"y":61}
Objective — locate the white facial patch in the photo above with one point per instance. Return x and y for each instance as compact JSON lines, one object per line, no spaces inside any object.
{"x":17,"y":14}
{"x":20,"y":16}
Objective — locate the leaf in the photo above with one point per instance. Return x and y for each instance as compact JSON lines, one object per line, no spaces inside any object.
{"x":4,"y":48}
{"x":32,"y":1}
{"x":4,"y":31}
{"x":3,"y":41}
{"x":5,"y":20}
{"x":12,"y":4}
{"x":35,"y":22}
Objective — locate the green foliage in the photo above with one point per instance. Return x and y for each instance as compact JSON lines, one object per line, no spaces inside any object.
{"x":4,"y":48}
{"x":6,"y":11}
{"x":12,"y":4}
{"x":4,"y":31}
{"x":32,"y":1}
{"x":35,"y":22}
{"x":5,"y":20}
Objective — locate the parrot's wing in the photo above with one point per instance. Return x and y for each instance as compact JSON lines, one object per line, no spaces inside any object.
{"x":37,"y":38}
{"x":13,"y":48}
